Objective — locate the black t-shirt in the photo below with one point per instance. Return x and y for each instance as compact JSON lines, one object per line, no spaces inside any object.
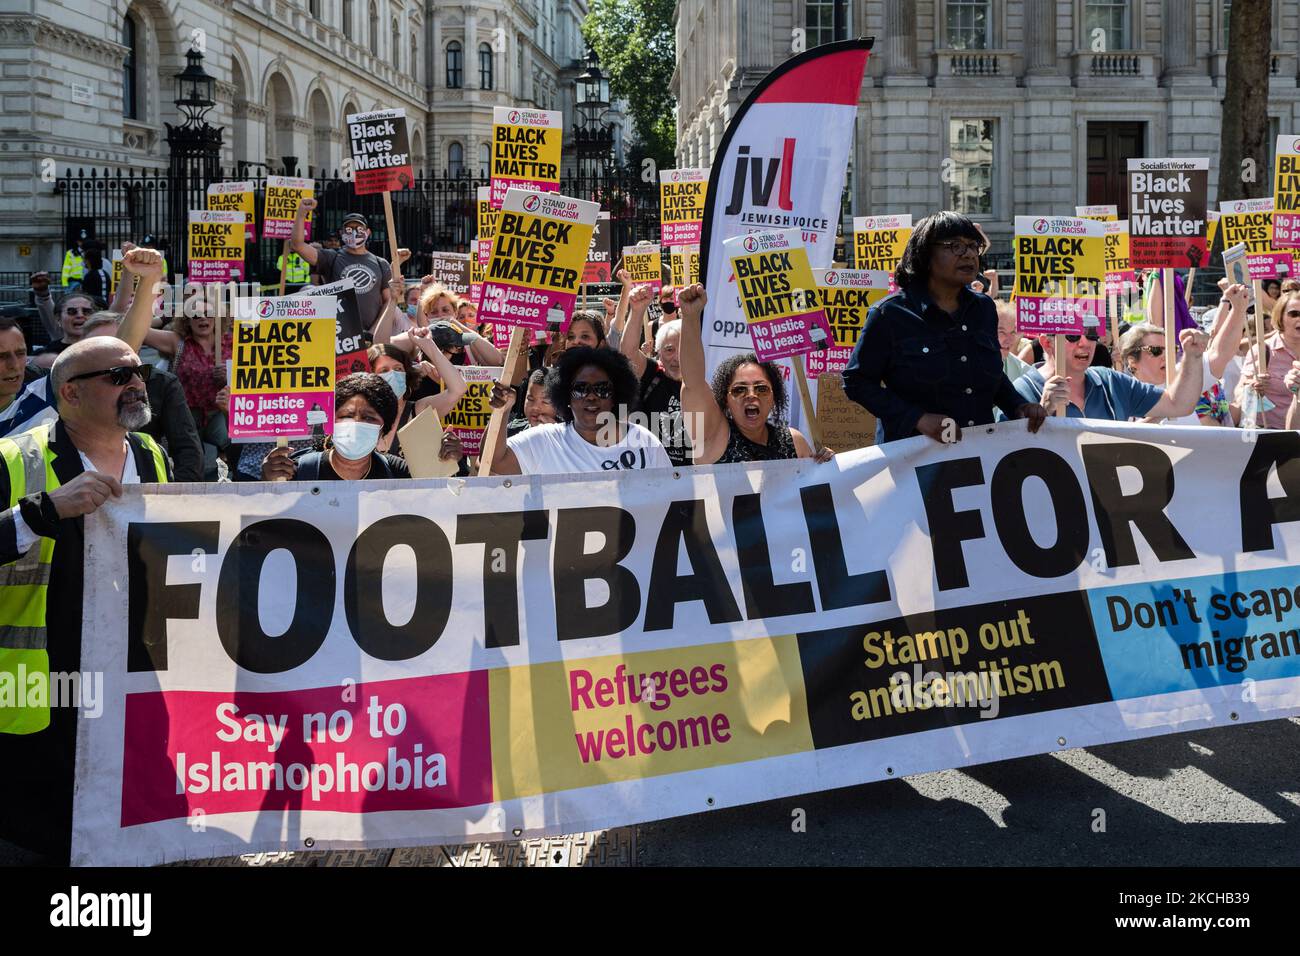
{"x":367,"y":271}
{"x":659,"y":398}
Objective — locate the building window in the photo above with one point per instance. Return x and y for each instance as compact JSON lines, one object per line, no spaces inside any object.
{"x":313,"y":7}
{"x":347,"y":18}
{"x":970,"y":146}
{"x":455,"y":66}
{"x":455,"y":160}
{"x":968,"y":24}
{"x":374,"y":29}
{"x":396,"y":51}
{"x":825,"y":21}
{"x":130,"y":103}
{"x":415,"y":59}
{"x":484,"y":159}
{"x":485,"y":67}
{"x":1109,"y":16}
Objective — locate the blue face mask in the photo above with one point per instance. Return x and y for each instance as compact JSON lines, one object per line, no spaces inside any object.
{"x":396,"y":380}
{"x":412,"y":309}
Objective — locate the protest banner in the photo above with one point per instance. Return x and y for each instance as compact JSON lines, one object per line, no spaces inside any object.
{"x":681,"y":205}
{"x":846,"y":296}
{"x":469,"y":418}
{"x":1250,"y":222}
{"x":451,"y":270}
{"x":216,"y":246}
{"x":644,"y":265}
{"x":235,"y":197}
{"x":283,"y":195}
{"x":1060,"y":274}
{"x":879,"y":241}
{"x":396,"y":687}
{"x":537,"y":259}
{"x":684,"y":266}
{"x":1168,"y":228}
{"x":350,"y":351}
{"x":1286,"y":193}
{"x":525,"y":151}
{"x":1099,"y":213}
{"x":600,"y":253}
{"x":381,"y":152}
{"x":283,"y":368}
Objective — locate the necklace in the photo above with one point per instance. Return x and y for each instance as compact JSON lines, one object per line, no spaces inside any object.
{"x":370,"y":463}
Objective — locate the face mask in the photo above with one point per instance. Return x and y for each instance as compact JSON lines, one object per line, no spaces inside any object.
{"x":396,"y":380}
{"x":353,"y":239}
{"x":412,"y":309}
{"x":355,"y":440}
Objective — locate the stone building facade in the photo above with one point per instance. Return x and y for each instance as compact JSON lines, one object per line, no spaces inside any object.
{"x":997,"y":108}
{"x":90,"y":83}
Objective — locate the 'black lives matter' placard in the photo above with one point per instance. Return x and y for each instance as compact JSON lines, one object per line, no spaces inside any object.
{"x":381,"y":151}
{"x":1167,"y":206}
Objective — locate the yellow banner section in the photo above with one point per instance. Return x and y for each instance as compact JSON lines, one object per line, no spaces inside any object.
{"x":644,"y":264}
{"x":216,"y":236}
{"x":631,"y":716}
{"x":684,"y":261}
{"x":846,"y":298}
{"x":775,"y":284}
{"x":538,"y":252}
{"x":233,"y":197}
{"x":487,"y":216}
{"x":1248,"y":221}
{"x":879,"y":241}
{"x":283,"y":355}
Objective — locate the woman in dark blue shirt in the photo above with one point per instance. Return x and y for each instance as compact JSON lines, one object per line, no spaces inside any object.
{"x":928,"y":361}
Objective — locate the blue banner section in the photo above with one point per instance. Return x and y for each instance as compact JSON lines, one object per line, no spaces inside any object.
{"x":1186,"y":633}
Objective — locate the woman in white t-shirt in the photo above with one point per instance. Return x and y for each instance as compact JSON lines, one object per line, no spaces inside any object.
{"x":592,"y":391}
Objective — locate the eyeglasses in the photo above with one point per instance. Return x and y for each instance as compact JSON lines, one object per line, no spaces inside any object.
{"x":760,"y":390}
{"x":599,"y":389}
{"x":961,"y":247}
{"x":118,"y":375}
{"x":1155,"y":350}
{"x":73,"y":310}
{"x":1090,"y":336}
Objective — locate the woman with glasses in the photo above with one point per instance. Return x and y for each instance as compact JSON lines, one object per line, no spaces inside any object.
{"x":592,"y":391}
{"x":928,"y":360}
{"x":73,"y":310}
{"x":1089,"y":391}
{"x":739,"y":417}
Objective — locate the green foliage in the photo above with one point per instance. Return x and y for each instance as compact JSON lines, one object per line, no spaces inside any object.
{"x":637,"y":46}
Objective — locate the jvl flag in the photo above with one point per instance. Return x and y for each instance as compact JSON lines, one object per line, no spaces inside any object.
{"x":879,"y":241}
{"x":525,"y":151}
{"x":847,"y":295}
{"x":1286,"y":194}
{"x":681,"y":205}
{"x":216,"y":247}
{"x":778,"y":296}
{"x":235,"y":197}
{"x":1060,"y":274}
{"x":537,"y":259}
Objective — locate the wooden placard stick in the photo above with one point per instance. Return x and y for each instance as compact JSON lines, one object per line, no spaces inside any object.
{"x":805,"y":396}
{"x":516,"y":361}
{"x":1261,"y":360}
{"x":1171,"y":331}
{"x":1058,"y":368}
{"x":393,"y":264}
{"x":1187,"y":289}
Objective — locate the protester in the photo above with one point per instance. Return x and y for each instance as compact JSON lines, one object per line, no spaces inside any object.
{"x":585,"y":330}
{"x":369,"y":273}
{"x":55,"y":474}
{"x":591,"y":390}
{"x":927,"y":361}
{"x":73,"y":309}
{"x":394,"y":366}
{"x":1102,"y":393}
{"x":1008,"y":339}
{"x":1143,"y":352}
{"x":738,"y":418}
{"x":96,"y":279}
{"x":537,"y":407}
{"x":1281,"y":350}
{"x":659,"y":394}
{"x":25,"y":397}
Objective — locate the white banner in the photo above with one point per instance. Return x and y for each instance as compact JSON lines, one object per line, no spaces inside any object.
{"x":448,"y":661}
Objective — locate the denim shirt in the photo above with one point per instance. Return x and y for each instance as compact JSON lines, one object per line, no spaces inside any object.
{"x":914,"y":358}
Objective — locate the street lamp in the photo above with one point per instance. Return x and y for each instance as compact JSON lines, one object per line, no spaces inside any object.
{"x":195,"y":149}
{"x":194,"y":89}
{"x":593,"y":87}
{"x":593,"y":138}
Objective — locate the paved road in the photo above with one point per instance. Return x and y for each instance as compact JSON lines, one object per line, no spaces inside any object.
{"x":1226,"y":796}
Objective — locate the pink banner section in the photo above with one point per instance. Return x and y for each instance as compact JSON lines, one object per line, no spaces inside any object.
{"x":421,"y":743}
{"x":681,"y":234}
{"x":1117,"y":283}
{"x":829,"y":360}
{"x":1286,"y":230}
{"x":215,"y":270}
{"x":507,"y":304}
{"x":1272,"y":265}
{"x":283,"y":229}
{"x":790,"y":335}
{"x":500,"y":186}
{"x":266,"y":416}
{"x":1049,"y":316}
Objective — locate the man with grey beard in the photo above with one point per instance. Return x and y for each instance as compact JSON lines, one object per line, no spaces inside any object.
{"x":51,"y":477}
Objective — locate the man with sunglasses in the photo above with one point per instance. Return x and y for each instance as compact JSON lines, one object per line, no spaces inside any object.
{"x":1089,"y":391}
{"x":53,"y":476}
{"x":369,"y":273}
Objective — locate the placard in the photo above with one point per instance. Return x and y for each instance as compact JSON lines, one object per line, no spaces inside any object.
{"x":350,"y":349}
{"x":283,"y":196}
{"x":1099,"y":213}
{"x":525,"y":151}
{"x":681,"y":205}
{"x":778,"y":296}
{"x":1060,"y":274}
{"x":216,"y":246}
{"x":845,"y":425}
{"x":381,"y":152}
{"x":451,"y":270}
{"x":847,"y":295}
{"x":1286,"y":193}
{"x":235,"y":197}
{"x":644,"y":265}
{"x":469,"y":417}
{"x":1168,"y":227}
{"x":684,"y":265}
{"x":1249,"y":222}
{"x":598,"y":267}
{"x":1120,"y":277}
{"x":879,"y":241}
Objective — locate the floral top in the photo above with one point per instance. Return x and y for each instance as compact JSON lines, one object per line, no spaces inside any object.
{"x":193,"y":366}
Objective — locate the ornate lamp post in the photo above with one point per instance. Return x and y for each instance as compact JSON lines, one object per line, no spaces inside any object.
{"x":195,"y":150}
{"x":593,"y":138}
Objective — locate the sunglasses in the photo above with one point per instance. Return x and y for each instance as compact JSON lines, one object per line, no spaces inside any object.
{"x":118,"y":375}
{"x":760,"y":390}
{"x":599,"y":389}
{"x":1155,"y":350}
{"x":1090,"y":336}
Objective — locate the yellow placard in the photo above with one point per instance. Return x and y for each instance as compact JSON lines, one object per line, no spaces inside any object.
{"x":1060,"y":273}
{"x":681,"y":205}
{"x":283,"y":194}
{"x":879,"y":241}
{"x":469,"y":417}
{"x":538,"y":252}
{"x":284,"y":356}
{"x":684,"y":263}
{"x":487,"y":216}
{"x":1286,"y":193}
{"x":847,"y":295}
{"x":235,"y":197}
{"x":1098,"y":213}
{"x":1248,"y":221}
{"x":644,"y":265}
{"x":526,"y":148}
{"x":590,"y":721}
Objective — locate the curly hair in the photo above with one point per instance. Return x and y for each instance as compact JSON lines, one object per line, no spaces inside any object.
{"x":374,"y":390}
{"x":559,"y":383}
{"x":725,"y":372}
{"x":431,"y":294}
{"x":914,"y":266}
{"x":594,"y":320}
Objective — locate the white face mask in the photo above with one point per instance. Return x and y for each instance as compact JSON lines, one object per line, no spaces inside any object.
{"x":355,"y":440}
{"x":354,"y":239}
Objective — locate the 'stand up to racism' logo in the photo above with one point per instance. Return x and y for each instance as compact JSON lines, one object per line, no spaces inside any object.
{"x":750,"y":244}
{"x":1040,"y":225}
{"x":676,"y":176}
{"x":1295,"y":146}
{"x":832,"y":277}
{"x":265,"y":309}
{"x":514,"y":116}
{"x":531,"y":203}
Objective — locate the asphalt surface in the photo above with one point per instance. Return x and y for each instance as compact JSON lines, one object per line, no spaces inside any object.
{"x":1227,"y":796}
